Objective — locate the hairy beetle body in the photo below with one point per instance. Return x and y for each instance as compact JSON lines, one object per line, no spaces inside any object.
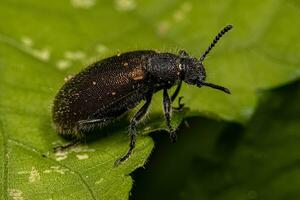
{"x":109,"y":88}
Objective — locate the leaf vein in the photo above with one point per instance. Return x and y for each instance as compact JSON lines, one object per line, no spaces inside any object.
{"x":5,"y":163}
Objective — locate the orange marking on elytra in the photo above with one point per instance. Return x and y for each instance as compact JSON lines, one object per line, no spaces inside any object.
{"x":137,"y":74}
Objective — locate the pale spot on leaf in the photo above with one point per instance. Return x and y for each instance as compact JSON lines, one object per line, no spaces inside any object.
{"x":56,"y":169}
{"x":181,"y":13}
{"x":15,"y":194}
{"x":41,"y":54}
{"x":125,"y":5}
{"x":27,"y":41}
{"x":100,"y":181}
{"x":61,"y":155}
{"x":101,"y":48}
{"x":82,"y":156}
{"x":63,"y":64}
{"x":75,"y":55}
{"x":34,"y":175}
{"x":163,"y":28}
{"x":84,"y":4}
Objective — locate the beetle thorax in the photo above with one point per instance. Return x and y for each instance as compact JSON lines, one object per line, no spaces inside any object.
{"x":164,"y":68}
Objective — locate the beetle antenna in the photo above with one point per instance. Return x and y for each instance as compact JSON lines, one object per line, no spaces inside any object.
{"x":215,"y":41}
{"x":218,"y":87}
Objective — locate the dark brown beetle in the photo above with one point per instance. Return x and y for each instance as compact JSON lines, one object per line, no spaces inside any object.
{"x":109,"y":88}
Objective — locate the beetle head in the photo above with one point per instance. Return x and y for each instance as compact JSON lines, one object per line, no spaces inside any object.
{"x":193,"y":68}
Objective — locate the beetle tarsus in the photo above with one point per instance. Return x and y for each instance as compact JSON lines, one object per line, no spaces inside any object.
{"x":173,"y":137}
{"x":67,"y":145}
{"x":180,"y":105}
{"x":128,"y":154}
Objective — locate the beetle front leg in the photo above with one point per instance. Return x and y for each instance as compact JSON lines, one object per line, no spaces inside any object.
{"x":132,"y":129}
{"x":167,"y":111}
{"x":175,"y":94}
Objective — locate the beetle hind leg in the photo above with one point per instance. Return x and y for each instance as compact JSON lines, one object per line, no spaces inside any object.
{"x":67,"y":146}
{"x":82,"y":126}
{"x":132,"y":130}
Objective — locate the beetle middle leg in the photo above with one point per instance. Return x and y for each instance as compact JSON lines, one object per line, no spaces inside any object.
{"x":175,"y":94}
{"x":132,"y":129}
{"x":167,"y":111}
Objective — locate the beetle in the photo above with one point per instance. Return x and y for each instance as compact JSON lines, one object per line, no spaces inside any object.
{"x":107,"y":89}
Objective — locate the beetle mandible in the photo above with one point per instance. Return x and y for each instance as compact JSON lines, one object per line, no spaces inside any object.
{"x":109,"y":88}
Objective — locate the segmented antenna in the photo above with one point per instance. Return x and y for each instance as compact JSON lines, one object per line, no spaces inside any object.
{"x":217,"y":38}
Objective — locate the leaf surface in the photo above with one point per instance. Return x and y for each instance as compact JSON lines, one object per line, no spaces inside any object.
{"x":41,"y":43}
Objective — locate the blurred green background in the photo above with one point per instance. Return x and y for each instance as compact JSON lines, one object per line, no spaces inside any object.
{"x":239,"y":146}
{"x":218,"y":160}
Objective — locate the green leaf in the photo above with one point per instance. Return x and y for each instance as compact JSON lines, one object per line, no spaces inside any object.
{"x":229,"y":162}
{"x":41,"y":43}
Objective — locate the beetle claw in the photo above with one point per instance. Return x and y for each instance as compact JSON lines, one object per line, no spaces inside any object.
{"x":120,"y":160}
{"x":180,"y":105}
{"x":173,"y":137}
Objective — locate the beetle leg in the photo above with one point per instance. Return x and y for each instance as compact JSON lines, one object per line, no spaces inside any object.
{"x":67,"y":145}
{"x":93,"y":122}
{"x":90,"y":124}
{"x":175,"y":94}
{"x":180,"y":105}
{"x":83,"y":125}
{"x":132,"y":129}
{"x":80,"y":138}
{"x":167,"y":111}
